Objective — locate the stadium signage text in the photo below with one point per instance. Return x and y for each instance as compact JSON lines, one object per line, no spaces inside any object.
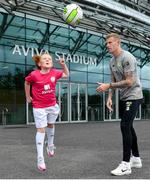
{"x":78,"y":59}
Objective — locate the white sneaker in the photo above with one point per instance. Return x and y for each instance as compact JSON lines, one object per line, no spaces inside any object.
{"x":41,"y":164}
{"x":50,"y":150}
{"x":135,"y":162}
{"x":123,"y":169}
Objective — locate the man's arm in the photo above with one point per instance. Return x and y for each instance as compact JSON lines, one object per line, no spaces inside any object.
{"x":110,"y":94}
{"x":128,"y":82}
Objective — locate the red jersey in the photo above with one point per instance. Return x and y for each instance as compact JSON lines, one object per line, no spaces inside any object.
{"x":44,"y":87}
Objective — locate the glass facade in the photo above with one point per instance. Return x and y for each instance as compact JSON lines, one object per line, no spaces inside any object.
{"x":85,"y":53}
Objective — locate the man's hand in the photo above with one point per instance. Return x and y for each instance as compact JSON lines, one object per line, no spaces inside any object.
{"x":109,"y":104}
{"x":103,"y":87}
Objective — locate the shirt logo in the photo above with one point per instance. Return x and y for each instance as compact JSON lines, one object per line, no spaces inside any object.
{"x":46,"y":87}
{"x":52,"y":79}
{"x":128,"y":104}
{"x":118,"y":64}
{"x":127,"y":63}
{"x":123,"y":170}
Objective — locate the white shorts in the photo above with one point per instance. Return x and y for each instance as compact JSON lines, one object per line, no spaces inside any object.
{"x":43,"y":116}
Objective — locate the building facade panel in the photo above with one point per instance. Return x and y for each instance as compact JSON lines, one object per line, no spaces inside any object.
{"x":86,"y":56}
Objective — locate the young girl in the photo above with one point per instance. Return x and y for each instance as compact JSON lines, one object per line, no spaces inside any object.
{"x":43,"y":98}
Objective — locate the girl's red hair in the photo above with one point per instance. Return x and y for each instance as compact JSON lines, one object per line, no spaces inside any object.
{"x":37,"y":58}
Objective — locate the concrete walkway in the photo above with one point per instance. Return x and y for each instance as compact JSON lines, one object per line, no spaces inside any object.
{"x":84,"y":151}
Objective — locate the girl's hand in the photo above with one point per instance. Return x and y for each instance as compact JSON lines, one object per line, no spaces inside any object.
{"x":29,"y":99}
{"x":61,"y":61}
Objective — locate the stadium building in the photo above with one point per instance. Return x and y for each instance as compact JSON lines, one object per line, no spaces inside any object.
{"x":29,"y":27}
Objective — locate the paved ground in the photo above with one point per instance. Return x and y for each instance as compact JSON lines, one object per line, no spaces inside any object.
{"x":84,"y":151}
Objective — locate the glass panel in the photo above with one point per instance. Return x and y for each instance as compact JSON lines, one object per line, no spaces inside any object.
{"x":95,"y":104}
{"x":95,"y":66}
{"x":78,"y":76}
{"x":78,"y":102}
{"x":78,"y":61}
{"x":146,"y":104}
{"x":107,"y":78}
{"x":63,"y":102}
{"x":13,"y":33}
{"x":12,"y":107}
{"x":94,"y":78}
{"x":58,"y":36}
{"x":37,"y":37}
{"x":145,"y":84}
{"x":96,"y":51}
{"x":30,"y":113}
{"x":82,"y":102}
{"x":74,"y":102}
{"x":145,"y":74}
{"x":29,"y":105}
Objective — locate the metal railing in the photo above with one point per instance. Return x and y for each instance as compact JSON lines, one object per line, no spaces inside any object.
{"x":4,"y":116}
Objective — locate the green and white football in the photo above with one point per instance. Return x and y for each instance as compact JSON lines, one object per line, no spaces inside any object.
{"x":72,"y":14}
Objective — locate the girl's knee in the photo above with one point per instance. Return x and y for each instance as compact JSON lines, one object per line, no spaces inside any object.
{"x":41,"y":130}
{"x":50,"y":125}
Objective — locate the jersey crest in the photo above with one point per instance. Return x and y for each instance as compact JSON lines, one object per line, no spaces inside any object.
{"x":52,"y":79}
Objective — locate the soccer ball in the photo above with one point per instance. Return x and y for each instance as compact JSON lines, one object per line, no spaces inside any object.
{"x":72,"y":14}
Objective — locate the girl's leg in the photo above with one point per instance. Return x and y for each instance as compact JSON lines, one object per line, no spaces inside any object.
{"x":50,"y":139}
{"x":40,"y":117}
{"x":40,"y":136}
{"x":50,"y":134}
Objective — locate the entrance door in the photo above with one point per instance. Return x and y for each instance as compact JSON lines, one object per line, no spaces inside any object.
{"x":29,"y":114}
{"x":95,"y":104}
{"x":62,"y":95}
{"x":72,"y":100}
{"x":78,"y":102}
{"x":12,"y":106}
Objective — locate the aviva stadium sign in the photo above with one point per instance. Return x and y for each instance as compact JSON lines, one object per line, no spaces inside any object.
{"x":75,"y":58}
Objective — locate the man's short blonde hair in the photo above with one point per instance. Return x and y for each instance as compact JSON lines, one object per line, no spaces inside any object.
{"x":115,"y":35}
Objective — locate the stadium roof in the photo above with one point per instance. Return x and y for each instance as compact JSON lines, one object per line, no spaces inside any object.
{"x":129,"y":18}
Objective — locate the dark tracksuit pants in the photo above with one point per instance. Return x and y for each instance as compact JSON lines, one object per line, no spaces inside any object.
{"x":127,"y":112}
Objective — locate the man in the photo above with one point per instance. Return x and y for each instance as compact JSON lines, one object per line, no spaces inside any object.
{"x":124,"y":76}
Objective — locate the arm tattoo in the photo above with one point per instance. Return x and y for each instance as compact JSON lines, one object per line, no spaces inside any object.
{"x":120,"y":84}
{"x":129,"y":79}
